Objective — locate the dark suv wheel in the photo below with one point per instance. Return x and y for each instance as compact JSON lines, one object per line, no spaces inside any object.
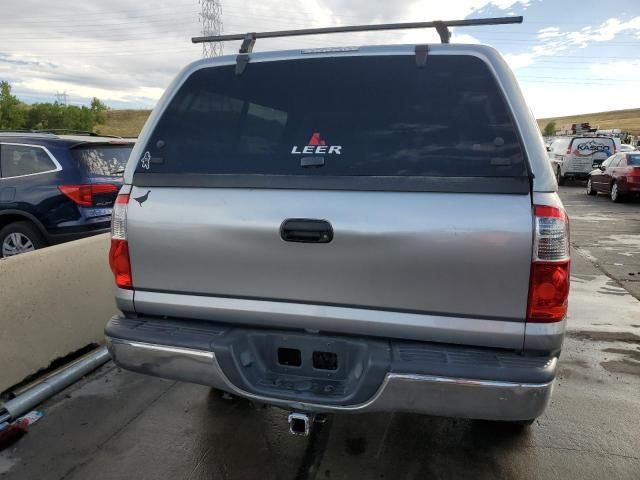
{"x":590,"y":190}
{"x":559,"y":177}
{"x":20,"y":237}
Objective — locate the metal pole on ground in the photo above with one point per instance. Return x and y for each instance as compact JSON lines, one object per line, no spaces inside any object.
{"x":27,"y":400}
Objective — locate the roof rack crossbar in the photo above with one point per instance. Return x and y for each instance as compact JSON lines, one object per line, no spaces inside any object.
{"x":441,"y":26}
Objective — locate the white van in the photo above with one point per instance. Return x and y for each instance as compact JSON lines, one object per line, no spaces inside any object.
{"x":574,"y":157}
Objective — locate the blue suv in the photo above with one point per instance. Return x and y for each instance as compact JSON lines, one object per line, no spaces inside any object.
{"x":56,"y":188}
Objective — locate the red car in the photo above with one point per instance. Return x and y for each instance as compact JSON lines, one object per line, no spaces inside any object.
{"x":618,"y":176}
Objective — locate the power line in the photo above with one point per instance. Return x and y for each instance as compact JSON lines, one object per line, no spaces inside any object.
{"x":75,"y":15}
{"x":241,"y":12}
{"x":154,"y":35}
{"x":284,"y":44}
{"x":177,"y":7}
{"x":285,"y":17}
{"x":127,"y":25}
{"x":561,"y":82}
{"x":138,"y":37}
{"x":589,"y":79}
{"x":319,"y":41}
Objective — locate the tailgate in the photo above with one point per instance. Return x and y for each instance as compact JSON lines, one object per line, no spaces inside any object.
{"x":436,"y":253}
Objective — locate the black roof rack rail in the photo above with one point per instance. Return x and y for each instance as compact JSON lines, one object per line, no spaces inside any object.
{"x":53,"y":132}
{"x":442,"y":27}
{"x":21,"y":131}
{"x":68,"y":131}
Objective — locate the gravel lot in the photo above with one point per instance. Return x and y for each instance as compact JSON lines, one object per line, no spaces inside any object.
{"x":116,"y":425}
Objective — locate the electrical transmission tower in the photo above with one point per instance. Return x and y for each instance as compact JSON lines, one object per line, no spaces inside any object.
{"x":62,"y":97}
{"x":211,"y":18}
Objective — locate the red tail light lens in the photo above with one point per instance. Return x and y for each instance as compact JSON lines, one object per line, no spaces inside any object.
{"x":119,"y":253}
{"x":550,"y":268}
{"x":120,"y":264}
{"x":83,"y":194}
{"x":548,"y":292}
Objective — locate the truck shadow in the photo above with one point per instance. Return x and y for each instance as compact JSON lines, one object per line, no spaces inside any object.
{"x":242,"y":441}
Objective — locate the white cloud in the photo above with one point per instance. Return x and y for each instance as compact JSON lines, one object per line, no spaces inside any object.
{"x":505,"y":4}
{"x":519,"y":60}
{"x":88,"y":91}
{"x":554,"y":41}
{"x":605,"y":32}
{"x":565,"y":99}
{"x":617,"y":70}
{"x":464,"y":38}
{"x":549,"y":32}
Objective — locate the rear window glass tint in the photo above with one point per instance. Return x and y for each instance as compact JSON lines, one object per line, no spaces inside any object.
{"x":102,"y":160}
{"x":351,"y":116}
{"x":633,"y":160}
{"x":19,"y":160}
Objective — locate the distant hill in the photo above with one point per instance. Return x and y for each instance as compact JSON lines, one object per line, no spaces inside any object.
{"x":128,"y":123}
{"x":124,"y":123}
{"x":627,"y":120}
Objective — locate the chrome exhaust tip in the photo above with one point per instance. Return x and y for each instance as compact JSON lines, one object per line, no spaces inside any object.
{"x":299,"y":424}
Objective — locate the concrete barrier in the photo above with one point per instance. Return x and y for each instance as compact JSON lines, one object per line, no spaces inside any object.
{"x":53,"y":302}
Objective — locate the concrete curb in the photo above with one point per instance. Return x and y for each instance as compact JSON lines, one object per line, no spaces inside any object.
{"x":53,"y":302}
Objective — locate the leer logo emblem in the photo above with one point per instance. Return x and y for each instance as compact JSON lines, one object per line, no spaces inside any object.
{"x":317,"y":146}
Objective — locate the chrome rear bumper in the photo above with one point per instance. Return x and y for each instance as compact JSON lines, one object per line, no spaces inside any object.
{"x":432,"y":395}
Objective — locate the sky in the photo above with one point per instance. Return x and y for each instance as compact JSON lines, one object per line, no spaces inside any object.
{"x":569,"y":56}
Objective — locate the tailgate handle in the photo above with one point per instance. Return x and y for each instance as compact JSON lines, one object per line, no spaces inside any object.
{"x":306,"y":230}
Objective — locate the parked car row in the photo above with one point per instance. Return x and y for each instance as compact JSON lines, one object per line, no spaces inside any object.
{"x":618,"y":176}
{"x":626,"y":148}
{"x":56,"y":188}
{"x":574,"y":157}
{"x":608,"y":166}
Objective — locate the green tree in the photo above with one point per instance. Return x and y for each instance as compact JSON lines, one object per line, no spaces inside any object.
{"x":47,"y":116}
{"x":44,"y":116}
{"x":51,"y":116}
{"x":550,"y":129}
{"x":98,"y":108}
{"x":12,"y":112}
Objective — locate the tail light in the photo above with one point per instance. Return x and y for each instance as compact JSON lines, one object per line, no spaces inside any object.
{"x":549,"y":281}
{"x":83,"y":194}
{"x":569,"y":148}
{"x":119,"y":252}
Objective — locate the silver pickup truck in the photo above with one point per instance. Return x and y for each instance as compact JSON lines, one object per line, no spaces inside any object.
{"x":345,"y":230}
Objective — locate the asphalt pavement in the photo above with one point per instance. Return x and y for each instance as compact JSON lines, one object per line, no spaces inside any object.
{"x":119,"y":425}
{"x":606,"y":233}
